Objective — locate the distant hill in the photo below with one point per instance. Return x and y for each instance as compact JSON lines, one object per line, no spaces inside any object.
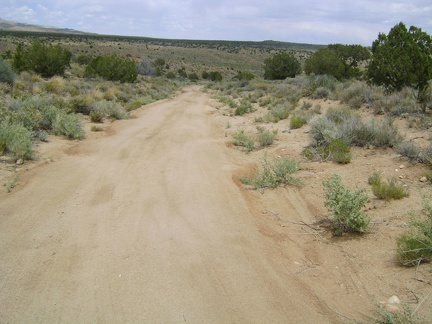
{"x":17,"y":26}
{"x":28,"y":30}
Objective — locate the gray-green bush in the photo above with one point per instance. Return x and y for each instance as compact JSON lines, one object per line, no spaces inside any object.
{"x":265,"y":137}
{"x":6,"y":73}
{"x":68,"y":125}
{"x":345,"y":206}
{"x":16,"y":140}
{"x":110,"y":109}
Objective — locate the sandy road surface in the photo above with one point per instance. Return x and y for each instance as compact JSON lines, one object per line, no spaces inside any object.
{"x":147,"y":225}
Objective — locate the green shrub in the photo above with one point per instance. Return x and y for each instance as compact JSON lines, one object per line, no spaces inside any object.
{"x":135,"y":104}
{"x":48,"y":116}
{"x":386,"y":190}
{"x":193,"y":77}
{"x":240,"y":138}
{"x":55,"y":85}
{"x":244,"y":75}
{"x":15,"y":139}
{"x":244,"y":107}
{"x":6,"y":73}
{"x":297,"y":121}
{"x":228,"y":100}
{"x":68,"y":125}
{"x":320,"y":93}
{"x":274,"y":172}
{"x":339,"y":151}
{"x":265,"y":137}
{"x":81,"y":104}
{"x":345,"y":206}
{"x":415,"y":246}
{"x":264,"y":101}
{"x":311,"y":83}
{"x":281,"y":111}
{"x":215,"y":76}
{"x":171,"y":75}
{"x":96,"y":117}
{"x":95,"y":128}
{"x":83,"y":59}
{"x":374,"y":179}
{"x":306,"y":105}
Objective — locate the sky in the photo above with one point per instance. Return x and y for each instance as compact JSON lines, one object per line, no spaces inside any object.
{"x":307,"y":21}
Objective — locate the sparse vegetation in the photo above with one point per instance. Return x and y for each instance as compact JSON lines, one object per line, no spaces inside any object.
{"x":265,"y":137}
{"x":406,"y":316}
{"x":415,"y":245}
{"x":240,"y":138}
{"x":274,"y":172}
{"x":386,"y":190}
{"x":10,"y":185}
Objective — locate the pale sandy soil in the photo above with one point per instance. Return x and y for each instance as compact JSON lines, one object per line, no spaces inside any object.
{"x":147,"y":222}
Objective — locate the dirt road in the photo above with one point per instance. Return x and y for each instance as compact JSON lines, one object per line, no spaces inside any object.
{"x":146,"y":225}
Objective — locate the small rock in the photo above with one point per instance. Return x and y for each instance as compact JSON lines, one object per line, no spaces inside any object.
{"x":401,"y":177}
{"x":401,"y":166}
{"x":19,"y":162}
{"x":423,"y":179}
{"x":397,"y":170}
{"x":393,"y":300}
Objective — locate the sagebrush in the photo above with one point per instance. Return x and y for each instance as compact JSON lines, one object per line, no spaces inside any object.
{"x":345,"y":206}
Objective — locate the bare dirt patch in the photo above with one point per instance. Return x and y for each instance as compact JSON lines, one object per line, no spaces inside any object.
{"x":151,"y":224}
